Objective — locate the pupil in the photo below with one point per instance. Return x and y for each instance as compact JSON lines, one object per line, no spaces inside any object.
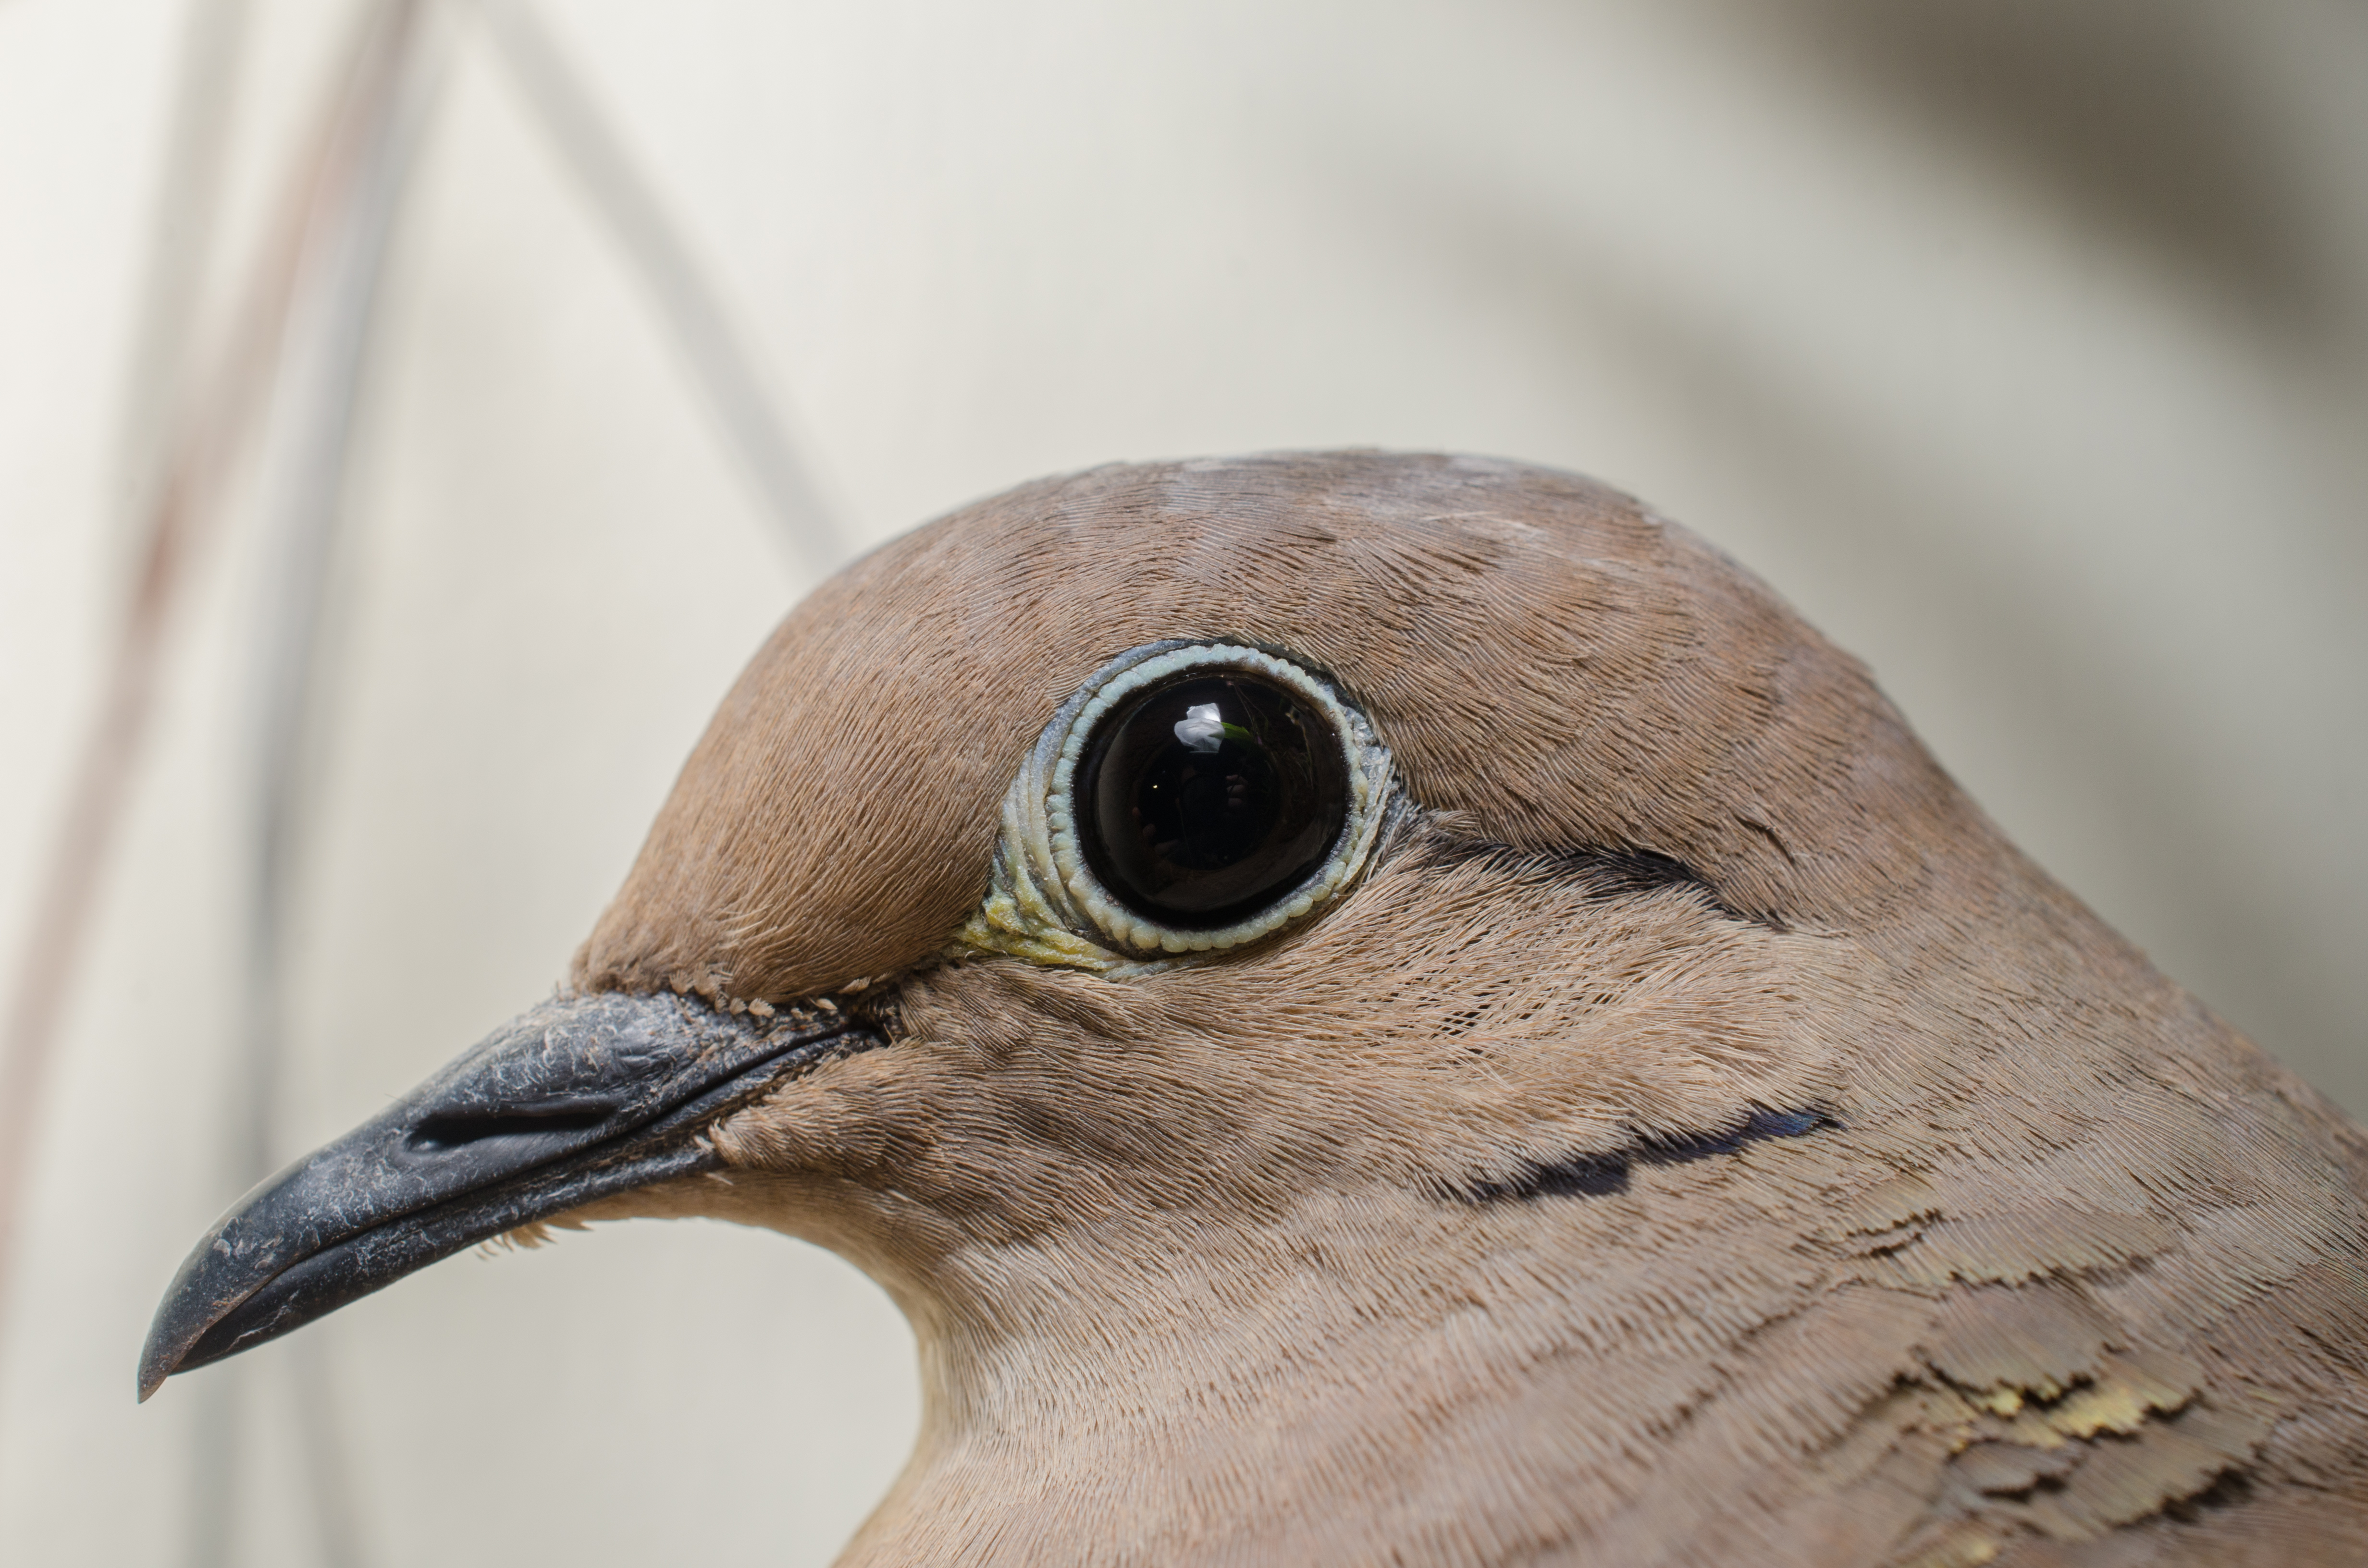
{"x":1202,"y":801}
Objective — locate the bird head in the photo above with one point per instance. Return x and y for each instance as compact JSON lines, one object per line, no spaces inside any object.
{"x":1165,"y":919}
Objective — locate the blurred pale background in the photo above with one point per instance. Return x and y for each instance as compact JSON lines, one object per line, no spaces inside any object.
{"x":2023,"y":345}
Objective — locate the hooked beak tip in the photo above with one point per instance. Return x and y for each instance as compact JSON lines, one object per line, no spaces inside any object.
{"x":156,"y":1365}
{"x":167,"y":1350}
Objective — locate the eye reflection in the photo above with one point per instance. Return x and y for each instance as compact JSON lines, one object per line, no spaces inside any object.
{"x":1207,"y":799}
{"x":1201,"y":729}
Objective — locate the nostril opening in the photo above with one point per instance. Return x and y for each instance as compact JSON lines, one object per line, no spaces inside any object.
{"x":457,"y":1131}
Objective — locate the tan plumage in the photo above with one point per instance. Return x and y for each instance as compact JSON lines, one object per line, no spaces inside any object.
{"x":1231,"y":1260}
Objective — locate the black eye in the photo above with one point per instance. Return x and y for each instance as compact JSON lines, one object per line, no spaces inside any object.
{"x":1202,"y":801}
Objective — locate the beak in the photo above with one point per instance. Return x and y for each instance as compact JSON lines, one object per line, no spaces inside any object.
{"x":583,"y":1097}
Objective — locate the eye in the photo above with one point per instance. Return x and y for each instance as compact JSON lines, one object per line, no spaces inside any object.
{"x":1189,"y":796}
{"x":1204,"y":799}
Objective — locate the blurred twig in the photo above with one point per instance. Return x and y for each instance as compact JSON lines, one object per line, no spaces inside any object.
{"x":321,"y":372}
{"x":188,"y":199}
{"x":694,"y":311}
{"x":211,"y":430}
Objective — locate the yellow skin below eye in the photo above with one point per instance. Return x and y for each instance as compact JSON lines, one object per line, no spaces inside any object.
{"x":1043,"y":902}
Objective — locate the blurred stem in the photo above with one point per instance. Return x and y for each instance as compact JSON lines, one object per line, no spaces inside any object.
{"x":320,"y":383}
{"x":188,"y":199}
{"x":711,"y":344}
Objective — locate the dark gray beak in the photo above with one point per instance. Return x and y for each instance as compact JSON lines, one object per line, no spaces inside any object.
{"x":583,"y":1097}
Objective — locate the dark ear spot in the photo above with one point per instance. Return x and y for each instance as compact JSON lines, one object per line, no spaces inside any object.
{"x":1581,"y":1176}
{"x":1606,"y":873}
{"x":1599,"y":1175}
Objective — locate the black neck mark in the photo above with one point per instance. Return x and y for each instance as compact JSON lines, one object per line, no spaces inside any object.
{"x":1598,"y":1175}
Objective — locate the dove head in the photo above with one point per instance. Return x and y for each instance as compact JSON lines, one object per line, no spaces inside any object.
{"x":1624,"y":861}
{"x":1258,"y":954}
